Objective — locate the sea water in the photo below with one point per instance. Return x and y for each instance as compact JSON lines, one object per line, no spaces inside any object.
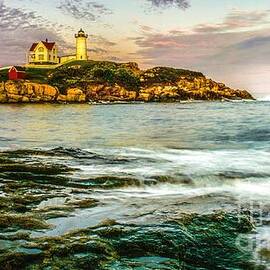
{"x":210,"y":155}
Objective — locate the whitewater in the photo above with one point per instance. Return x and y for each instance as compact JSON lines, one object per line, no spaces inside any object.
{"x":173,"y":158}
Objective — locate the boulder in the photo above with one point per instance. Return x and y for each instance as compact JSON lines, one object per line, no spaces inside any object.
{"x":14,"y":88}
{"x":2,"y":87}
{"x":50,"y":91}
{"x":131,"y":95}
{"x":25,"y":99}
{"x":106,"y":92}
{"x":42,"y":90}
{"x":47,"y":98}
{"x":75,"y":95}
{"x":13,"y":98}
{"x":30,"y":87}
{"x":25,"y":91}
{"x":144,"y":96}
{"x":62,"y":98}
{"x":35,"y":99}
{"x":3,"y":98}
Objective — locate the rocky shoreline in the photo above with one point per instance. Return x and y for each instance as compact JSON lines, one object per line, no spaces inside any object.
{"x":124,"y":83}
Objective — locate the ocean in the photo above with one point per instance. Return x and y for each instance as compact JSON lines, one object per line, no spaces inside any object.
{"x":153,"y":162}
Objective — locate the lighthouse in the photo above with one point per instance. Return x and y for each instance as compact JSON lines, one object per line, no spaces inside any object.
{"x":81,"y":45}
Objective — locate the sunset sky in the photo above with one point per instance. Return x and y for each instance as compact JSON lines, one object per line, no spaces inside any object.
{"x":228,"y":40}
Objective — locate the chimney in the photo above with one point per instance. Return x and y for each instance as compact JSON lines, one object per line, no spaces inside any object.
{"x":46,"y":40}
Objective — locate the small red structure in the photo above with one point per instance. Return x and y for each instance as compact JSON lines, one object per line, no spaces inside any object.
{"x":16,"y":73}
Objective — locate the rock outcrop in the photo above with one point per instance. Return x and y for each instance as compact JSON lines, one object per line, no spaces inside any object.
{"x":101,"y":92}
{"x":75,"y":95}
{"x":154,"y":85}
{"x":25,"y":91}
{"x":191,"y":89}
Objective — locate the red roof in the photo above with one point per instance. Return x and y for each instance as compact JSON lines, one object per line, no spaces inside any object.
{"x":48,"y":45}
{"x":34,"y":45}
{"x":17,"y":68}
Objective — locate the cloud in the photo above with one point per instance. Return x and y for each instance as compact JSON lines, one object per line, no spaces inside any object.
{"x":236,"y":20}
{"x":101,"y":48}
{"x":204,"y":43}
{"x":18,"y":34}
{"x":183,"y":4}
{"x":146,"y":28}
{"x":23,"y":19}
{"x":82,"y":9}
{"x":98,"y":50}
{"x":183,"y":50}
{"x":253,"y":50}
{"x":101,"y":41}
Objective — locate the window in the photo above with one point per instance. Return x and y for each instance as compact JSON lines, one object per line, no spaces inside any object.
{"x":41,"y":57}
{"x":41,"y":49}
{"x":49,"y":57}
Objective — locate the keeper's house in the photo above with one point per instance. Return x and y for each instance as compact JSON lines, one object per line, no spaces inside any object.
{"x":43,"y":52}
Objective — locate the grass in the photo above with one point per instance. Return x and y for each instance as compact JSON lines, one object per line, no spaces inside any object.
{"x":167,"y":75}
{"x":80,"y":74}
{"x":4,"y":74}
{"x":39,"y":75}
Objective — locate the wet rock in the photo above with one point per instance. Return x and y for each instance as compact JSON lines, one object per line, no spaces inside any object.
{"x":83,"y":203}
{"x":107,"y":182}
{"x":149,"y":263}
{"x":36,"y":178}
{"x":15,"y":221}
{"x":17,"y":200}
{"x":15,"y":236}
{"x":177,"y":179}
{"x":265,"y":254}
{"x":17,"y":260}
{"x":172,"y":245}
{"x":62,"y":98}
{"x":34,"y":168}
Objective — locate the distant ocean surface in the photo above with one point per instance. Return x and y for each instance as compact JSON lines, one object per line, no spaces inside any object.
{"x":219,"y":150}
{"x":194,"y":126}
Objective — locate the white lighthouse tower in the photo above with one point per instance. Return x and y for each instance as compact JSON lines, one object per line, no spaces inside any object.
{"x":81,"y":45}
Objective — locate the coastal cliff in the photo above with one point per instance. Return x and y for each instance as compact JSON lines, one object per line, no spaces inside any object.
{"x":93,"y":81}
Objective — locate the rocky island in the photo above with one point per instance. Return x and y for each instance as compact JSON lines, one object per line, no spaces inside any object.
{"x":97,"y":81}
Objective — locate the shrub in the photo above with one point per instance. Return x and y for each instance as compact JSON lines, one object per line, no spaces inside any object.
{"x":98,"y":73}
{"x":109,"y":76}
{"x":167,"y":75}
{"x":127,"y":79}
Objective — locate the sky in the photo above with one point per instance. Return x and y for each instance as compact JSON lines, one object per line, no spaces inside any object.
{"x":227,"y":40}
